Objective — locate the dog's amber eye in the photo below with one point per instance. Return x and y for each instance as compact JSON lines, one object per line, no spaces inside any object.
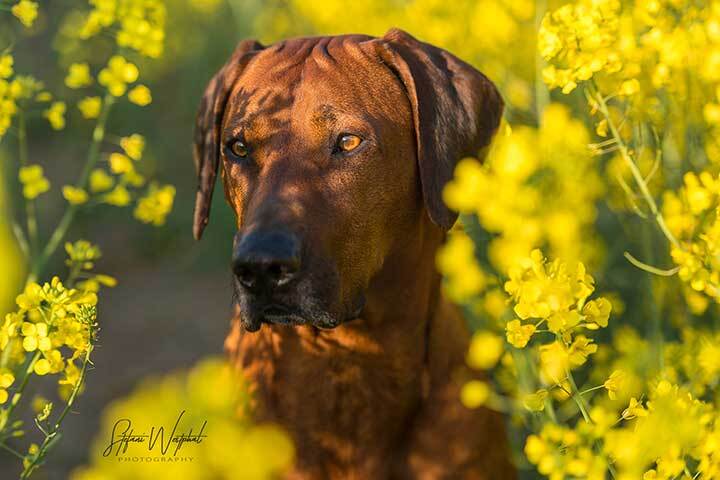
{"x":238,"y":148}
{"x":348,"y":143}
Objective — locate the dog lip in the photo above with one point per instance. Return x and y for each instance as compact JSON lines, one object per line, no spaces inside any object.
{"x":281,"y":314}
{"x":276,"y":310}
{"x":284,"y":319}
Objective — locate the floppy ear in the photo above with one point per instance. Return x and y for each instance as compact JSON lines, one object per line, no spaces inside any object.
{"x":206,"y":152}
{"x":456,"y":110}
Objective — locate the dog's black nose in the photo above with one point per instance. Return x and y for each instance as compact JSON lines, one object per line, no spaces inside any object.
{"x":265,"y":260}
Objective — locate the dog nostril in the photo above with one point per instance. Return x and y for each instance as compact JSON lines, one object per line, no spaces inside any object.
{"x":245,"y":276}
{"x":256,"y":275}
{"x":275,"y":271}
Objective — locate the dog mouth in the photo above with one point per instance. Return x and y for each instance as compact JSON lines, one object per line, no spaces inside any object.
{"x":282,"y":315}
{"x":274,"y":313}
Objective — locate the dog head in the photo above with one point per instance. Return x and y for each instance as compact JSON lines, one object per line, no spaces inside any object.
{"x":330,"y":150}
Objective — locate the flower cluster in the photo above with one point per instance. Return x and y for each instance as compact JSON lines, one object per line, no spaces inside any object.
{"x":16,"y":90}
{"x":579,"y":39}
{"x":140,"y":23}
{"x":33,"y":181}
{"x":555,"y":295}
{"x":561,"y":452}
{"x":527,"y":193}
{"x":155,"y":205}
{"x":654,"y":423}
{"x":26,"y":11}
{"x":122,"y":182}
{"x":692,"y":216}
{"x":55,"y":324}
{"x":464,"y":278}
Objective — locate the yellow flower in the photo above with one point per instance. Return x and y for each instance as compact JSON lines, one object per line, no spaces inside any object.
{"x":25,"y":11}
{"x":42,"y":367}
{"x":78,"y":76}
{"x":140,"y":95}
{"x":6,"y":66}
{"x":119,"y":196}
{"x":119,"y":163}
{"x":464,"y":278}
{"x":74,"y":195}
{"x":33,"y":181}
{"x":83,"y":253}
{"x":56,"y":115}
{"x":535,"y":402}
{"x":518,"y":335}
{"x":155,"y":205}
{"x":143,"y":28}
{"x":9,"y":328}
{"x":541,"y":289}
{"x":580,"y":349}
{"x":31,"y":296}
{"x":103,"y":15}
{"x":602,"y":128}
{"x":35,"y":337}
{"x":629,"y":87}
{"x":133,"y":145}
{"x":597,"y":312}
{"x":563,"y":320}
{"x":614,"y":383}
{"x":634,"y":409}
{"x":90,"y":107}
{"x":133,"y":178}
{"x":474,"y":393}
{"x":117,"y":75}
{"x":485,"y":350}
{"x":578,"y":41}
{"x":6,"y":379}
{"x":711,"y":112}
{"x":100,"y":181}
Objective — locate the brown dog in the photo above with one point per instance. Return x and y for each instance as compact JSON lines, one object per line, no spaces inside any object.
{"x":334,"y":153}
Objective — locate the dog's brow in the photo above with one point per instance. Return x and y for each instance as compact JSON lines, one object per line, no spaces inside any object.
{"x":323,"y":115}
{"x":236,"y":128}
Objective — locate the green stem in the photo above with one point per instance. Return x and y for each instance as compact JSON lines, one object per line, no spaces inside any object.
{"x":67,"y":218}
{"x":591,"y":389}
{"x":12,"y":450}
{"x":651,"y":302}
{"x":637,"y":175}
{"x":30,"y":210}
{"x":17,"y":395}
{"x":580,"y":402}
{"x":577,"y":397}
{"x":53,"y":433}
{"x":650,"y":268}
{"x":21,"y":240}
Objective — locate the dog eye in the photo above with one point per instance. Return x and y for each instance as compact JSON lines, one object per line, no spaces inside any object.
{"x":348,"y":142}
{"x":238,"y":148}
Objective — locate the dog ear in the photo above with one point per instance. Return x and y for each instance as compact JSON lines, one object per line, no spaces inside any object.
{"x":206,"y":151}
{"x":456,"y":111}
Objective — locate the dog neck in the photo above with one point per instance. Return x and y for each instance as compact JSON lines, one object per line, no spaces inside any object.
{"x":350,"y":393}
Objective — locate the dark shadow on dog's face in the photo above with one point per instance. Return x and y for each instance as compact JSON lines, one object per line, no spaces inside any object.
{"x":318,"y":164}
